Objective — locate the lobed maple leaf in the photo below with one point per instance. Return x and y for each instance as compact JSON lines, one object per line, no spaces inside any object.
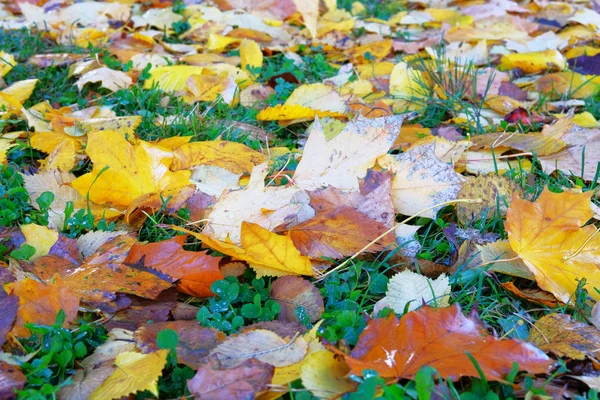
{"x":549,"y":236}
{"x":441,"y":338}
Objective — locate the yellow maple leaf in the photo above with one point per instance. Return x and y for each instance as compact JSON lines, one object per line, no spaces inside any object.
{"x":534,"y":62}
{"x":135,"y":372}
{"x":548,"y":236}
{"x":122,"y":172}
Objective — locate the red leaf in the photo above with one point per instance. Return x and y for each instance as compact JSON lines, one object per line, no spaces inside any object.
{"x":440,"y":338}
{"x":196,"y":271}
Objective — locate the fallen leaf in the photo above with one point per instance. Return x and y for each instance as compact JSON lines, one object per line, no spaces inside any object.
{"x":109,"y":79}
{"x":263,"y":345}
{"x":135,"y":372}
{"x":244,"y":381}
{"x":560,"y":335}
{"x":325,"y":375}
{"x":533,"y":295}
{"x":123,"y":172}
{"x":234,"y":157}
{"x":268,"y":207}
{"x":422,"y":181}
{"x":407,"y":291}
{"x":495,"y":192}
{"x":292,"y":292}
{"x":271,"y":254}
{"x":11,"y":380}
{"x":392,"y":348}
{"x":39,"y":303}
{"x":196,"y":271}
{"x":548,"y":236}
{"x":39,"y":237}
{"x":341,"y":161}
{"x":194,"y":341}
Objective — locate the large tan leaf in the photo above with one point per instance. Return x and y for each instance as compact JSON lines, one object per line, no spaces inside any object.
{"x":262,"y":344}
{"x":268,"y":207}
{"x":339,"y":162}
{"x":549,"y":237}
{"x":422,"y":181}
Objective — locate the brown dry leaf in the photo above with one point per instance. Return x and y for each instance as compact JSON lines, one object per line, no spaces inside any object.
{"x":548,"y":236}
{"x":263,"y":345}
{"x":213,"y":382}
{"x":423,"y":181}
{"x":194,"y":345}
{"x":341,"y":161}
{"x":8,"y":313}
{"x":292,"y":292}
{"x":332,"y":234}
{"x":439,"y":337}
{"x":39,"y":303}
{"x":11,"y":379}
{"x":533,"y":295}
{"x":560,"y":335}
{"x":495,"y":192}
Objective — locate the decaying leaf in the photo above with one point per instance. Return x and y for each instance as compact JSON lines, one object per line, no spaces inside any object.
{"x":292,"y":292}
{"x":241,"y":382}
{"x":423,"y":182}
{"x":263,"y":345}
{"x":495,"y":192}
{"x":560,"y":335}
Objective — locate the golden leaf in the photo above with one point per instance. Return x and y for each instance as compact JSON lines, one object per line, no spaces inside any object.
{"x":135,"y":372}
{"x":123,"y":172}
{"x":549,"y":237}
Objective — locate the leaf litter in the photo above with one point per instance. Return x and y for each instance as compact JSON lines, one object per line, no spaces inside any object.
{"x":240,"y":199}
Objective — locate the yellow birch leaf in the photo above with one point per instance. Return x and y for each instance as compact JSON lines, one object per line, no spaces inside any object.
{"x":207,"y":87}
{"x":548,"y":236}
{"x":271,"y":254}
{"x":172,"y":78}
{"x":7,"y":62}
{"x":404,"y":82}
{"x":40,"y":237}
{"x":21,"y":90}
{"x":123,"y":172}
{"x":135,"y":372}
{"x":251,"y":56}
{"x":325,"y":375}
{"x":533,"y":62}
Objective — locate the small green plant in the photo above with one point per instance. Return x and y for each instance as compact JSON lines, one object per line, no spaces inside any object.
{"x":56,"y":351}
{"x":237,"y":304}
{"x":15,"y":207}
